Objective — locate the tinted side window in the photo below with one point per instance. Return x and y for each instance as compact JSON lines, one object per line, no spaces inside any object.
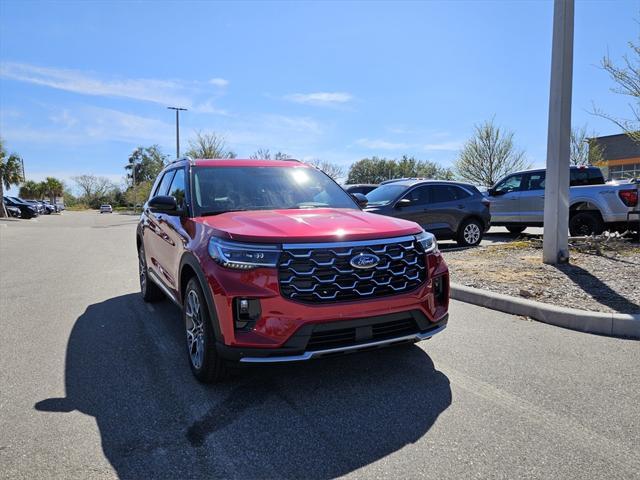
{"x":535,"y":181}
{"x":595,"y":176}
{"x":443,"y":193}
{"x":178,"y":188}
{"x":163,"y":186}
{"x":418,"y":196}
{"x":509,"y":184}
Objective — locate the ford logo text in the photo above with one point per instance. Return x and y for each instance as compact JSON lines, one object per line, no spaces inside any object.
{"x":364,"y":260}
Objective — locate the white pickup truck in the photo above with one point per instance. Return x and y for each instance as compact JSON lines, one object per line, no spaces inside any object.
{"x":517,"y":202}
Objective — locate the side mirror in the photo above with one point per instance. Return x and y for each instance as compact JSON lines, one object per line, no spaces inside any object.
{"x":360,"y":199}
{"x":403,"y":202}
{"x":163,"y":204}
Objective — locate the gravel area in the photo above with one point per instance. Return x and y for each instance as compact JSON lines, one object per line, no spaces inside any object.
{"x":609,"y":283}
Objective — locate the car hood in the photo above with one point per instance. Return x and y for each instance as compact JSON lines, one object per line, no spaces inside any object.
{"x":313,"y":225}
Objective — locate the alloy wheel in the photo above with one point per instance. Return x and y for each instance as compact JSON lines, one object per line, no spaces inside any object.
{"x":142,"y":267}
{"x":471,"y":233}
{"x":195,"y":329}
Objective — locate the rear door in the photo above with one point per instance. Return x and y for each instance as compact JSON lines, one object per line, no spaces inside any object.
{"x":532,"y":197}
{"x":505,"y":201}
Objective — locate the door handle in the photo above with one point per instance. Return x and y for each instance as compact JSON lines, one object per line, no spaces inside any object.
{"x":460,"y":207}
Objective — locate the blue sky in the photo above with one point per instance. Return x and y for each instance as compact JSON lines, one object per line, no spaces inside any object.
{"x":83,"y":83}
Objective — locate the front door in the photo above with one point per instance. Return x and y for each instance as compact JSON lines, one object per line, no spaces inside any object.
{"x":505,"y":200}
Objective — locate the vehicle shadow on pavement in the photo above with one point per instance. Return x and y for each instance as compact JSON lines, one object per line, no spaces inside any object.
{"x":598,"y":290}
{"x":126,"y":366}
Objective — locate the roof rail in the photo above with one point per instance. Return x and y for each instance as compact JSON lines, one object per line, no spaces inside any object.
{"x":186,"y":157}
{"x":403,"y":179}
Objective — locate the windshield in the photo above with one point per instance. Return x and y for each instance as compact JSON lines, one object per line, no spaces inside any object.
{"x":224,"y":189}
{"x":385,"y":194}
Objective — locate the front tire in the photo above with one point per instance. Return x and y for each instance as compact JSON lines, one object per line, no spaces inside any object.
{"x":469,"y":233}
{"x":205,"y":363}
{"x":149,"y":290}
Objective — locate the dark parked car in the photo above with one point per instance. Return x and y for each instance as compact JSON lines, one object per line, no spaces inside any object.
{"x":40,"y":206}
{"x":362,"y":188}
{"x":26,"y":210}
{"x":12,"y":211}
{"x":285,"y":267}
{"x":449,"y":210}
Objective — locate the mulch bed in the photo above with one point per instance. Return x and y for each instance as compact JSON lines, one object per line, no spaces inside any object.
{"x":607,"y":283}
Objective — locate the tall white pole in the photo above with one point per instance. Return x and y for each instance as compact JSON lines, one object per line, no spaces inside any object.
{"x":556,"y":201}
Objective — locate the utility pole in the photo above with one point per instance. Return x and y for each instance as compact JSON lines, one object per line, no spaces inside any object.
{"x":178,"y":110}
{"x":556,"y":201}
{"x":24,"y":177}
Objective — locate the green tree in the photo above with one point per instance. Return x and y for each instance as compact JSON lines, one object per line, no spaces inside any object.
{"x":376,"y":170}
{"x":52,"y":188}
{"x":489,"y":155}
{"x":209,"y":145}
{"x":626,"y":77}
{"x":10,"y":173}
{"x":145,"y":163}
{"x":140,"y":195}
{"x":31,"y":190}
{"x":583,"y":149}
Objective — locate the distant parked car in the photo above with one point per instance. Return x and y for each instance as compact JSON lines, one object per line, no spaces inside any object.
{"x":449,"y":210}
{"x":38,"y":205}
{"x":53,"y":208}
{"x":26,"y":210}
{"x":60,"y":206}
{"x":106,"y":208}
{"x":362,"y":188}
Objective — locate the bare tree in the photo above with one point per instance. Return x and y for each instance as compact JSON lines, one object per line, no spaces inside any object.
{"x":584,"y":149}
{"x":265,"y":154}
{"x":489,"y":155}
{"x":209,"y":145}
{"x":93,"y":188}
{"x":334,"y":170}
{"x":626,"y":76}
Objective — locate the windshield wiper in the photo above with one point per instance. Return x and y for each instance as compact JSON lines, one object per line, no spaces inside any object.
{"x":218,"y":212}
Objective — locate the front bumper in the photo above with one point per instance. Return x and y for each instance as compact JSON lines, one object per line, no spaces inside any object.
{"x":298,"y":348}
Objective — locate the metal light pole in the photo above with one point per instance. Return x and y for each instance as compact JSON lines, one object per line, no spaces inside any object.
{"x":178,"y":110}
{"x":556,"y":201}
{"x":24,"y":177}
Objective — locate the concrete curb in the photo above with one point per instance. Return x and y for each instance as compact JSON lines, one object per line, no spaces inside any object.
{"x":613,"y":324}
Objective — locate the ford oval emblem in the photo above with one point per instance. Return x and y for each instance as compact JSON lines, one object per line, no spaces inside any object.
{"x":364,"y":260}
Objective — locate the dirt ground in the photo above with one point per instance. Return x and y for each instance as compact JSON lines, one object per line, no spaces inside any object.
{"x":604,"y":283}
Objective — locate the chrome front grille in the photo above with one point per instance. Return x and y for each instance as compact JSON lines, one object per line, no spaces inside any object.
{"x":323,"y":272}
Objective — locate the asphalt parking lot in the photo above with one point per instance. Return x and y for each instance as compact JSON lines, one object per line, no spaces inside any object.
{"x":95,"y":384}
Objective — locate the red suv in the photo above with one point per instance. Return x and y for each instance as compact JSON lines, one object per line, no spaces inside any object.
{"x":271,"y":261}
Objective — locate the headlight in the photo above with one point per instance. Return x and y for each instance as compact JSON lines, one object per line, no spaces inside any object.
{"x":428,"y":242}
{"x":243,"y":256}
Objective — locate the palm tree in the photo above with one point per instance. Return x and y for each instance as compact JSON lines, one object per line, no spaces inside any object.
{"x":10,"y":173}
{"x":52,"y":187}
{"x":30,"y":189}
